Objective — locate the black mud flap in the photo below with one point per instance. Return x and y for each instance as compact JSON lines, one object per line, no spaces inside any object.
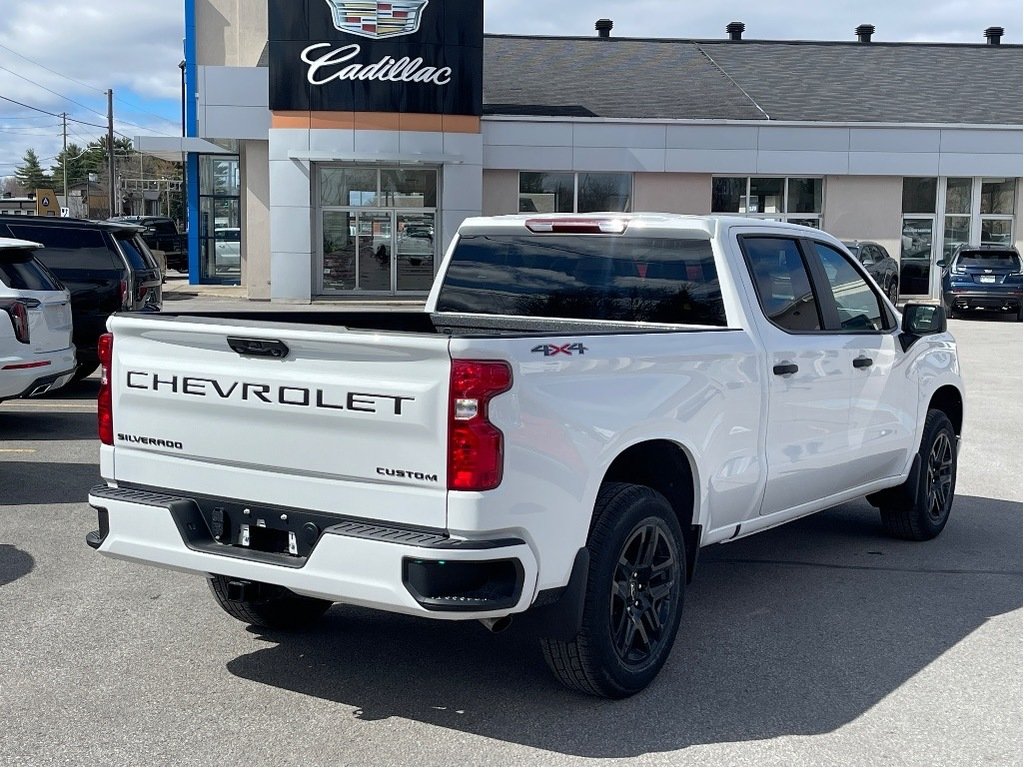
{"x":902,"y":497}
{"x":557,"y":614}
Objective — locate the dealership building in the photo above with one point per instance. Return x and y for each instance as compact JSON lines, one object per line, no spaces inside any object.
{"x":333,"y":147}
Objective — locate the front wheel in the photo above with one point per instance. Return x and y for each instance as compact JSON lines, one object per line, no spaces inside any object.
{"x":634,"y":596}
{"x":267,"y":605}
{"x":929,"y":513}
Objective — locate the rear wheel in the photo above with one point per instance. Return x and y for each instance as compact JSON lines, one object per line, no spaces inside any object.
{"x":929,"y":513}
{"x":267,"y":605}
{"x":634,"y":596}
{"x":893,"y":291}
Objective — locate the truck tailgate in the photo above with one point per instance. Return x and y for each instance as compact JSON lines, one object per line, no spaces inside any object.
{"x":349,"y":422}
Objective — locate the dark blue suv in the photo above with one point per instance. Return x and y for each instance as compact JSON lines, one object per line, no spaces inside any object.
{"x":982,"y":277}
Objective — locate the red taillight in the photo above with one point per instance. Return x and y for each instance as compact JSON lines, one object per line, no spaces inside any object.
{"x":105,"y":401}
{"x":475,"y":446}
{"x":19,"y":319}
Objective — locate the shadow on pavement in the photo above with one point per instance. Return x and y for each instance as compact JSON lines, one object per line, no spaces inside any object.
{"x":14,"y":563}
{"x":50,"y":482}
{"x":796,"y":631}
{"x":42,"y":424}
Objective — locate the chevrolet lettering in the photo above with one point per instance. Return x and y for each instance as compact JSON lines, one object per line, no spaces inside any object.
{"x":245,"y":391}
{"x":596,"y":396}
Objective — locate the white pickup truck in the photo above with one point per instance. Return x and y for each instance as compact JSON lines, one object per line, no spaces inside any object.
{"x":585,"y":403}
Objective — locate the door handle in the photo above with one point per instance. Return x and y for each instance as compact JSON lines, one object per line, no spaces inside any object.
{"x":863,"y":362}
{"x":785,"y":369}
{"x":258,"y":347}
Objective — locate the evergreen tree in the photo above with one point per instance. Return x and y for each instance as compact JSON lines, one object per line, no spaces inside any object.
{"x":80,"y":163}
{"x":30,"y":173}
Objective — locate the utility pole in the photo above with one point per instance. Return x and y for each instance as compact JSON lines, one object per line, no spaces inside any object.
{"x":64,"y":162}
{"x":110,"y":149}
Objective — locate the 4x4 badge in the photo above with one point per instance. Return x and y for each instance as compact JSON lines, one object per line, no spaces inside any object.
{"x":550,"y":350}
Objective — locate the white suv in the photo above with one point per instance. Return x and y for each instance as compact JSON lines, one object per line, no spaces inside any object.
{"x":36,"y":353}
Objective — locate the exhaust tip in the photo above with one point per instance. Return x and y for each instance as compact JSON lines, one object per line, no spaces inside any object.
{"x":497,"y":625}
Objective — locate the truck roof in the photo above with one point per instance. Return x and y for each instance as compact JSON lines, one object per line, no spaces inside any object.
{"x":618,"y":223}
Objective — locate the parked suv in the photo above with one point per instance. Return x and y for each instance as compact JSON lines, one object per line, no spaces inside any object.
{"x":36,"y":353}
{"x":161,"y":233}
{"x":879,"y":264}
{"x":982,"y":277}
{"x":106,"y":266}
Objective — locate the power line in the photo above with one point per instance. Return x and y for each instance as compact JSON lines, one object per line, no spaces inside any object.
{"x":50,"y":90}
{"x":51,"y":114}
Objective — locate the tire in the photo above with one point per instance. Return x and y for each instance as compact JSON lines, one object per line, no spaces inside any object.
{"x":893,"y":291}
{"x":84,"y":371}
{"x":1020,"y":314}
{"x":274,"y":608}
{"x":950,"y":312}
{"x":929,"y":513}
{"x":618,"y":653}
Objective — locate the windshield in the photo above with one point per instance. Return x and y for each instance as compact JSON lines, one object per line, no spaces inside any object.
{"x":585,"y":277}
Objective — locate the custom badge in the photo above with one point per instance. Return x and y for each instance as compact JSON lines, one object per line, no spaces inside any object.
{"x":377,"y":20}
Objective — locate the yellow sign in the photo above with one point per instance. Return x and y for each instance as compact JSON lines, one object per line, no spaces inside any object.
{"x":46,"y":203}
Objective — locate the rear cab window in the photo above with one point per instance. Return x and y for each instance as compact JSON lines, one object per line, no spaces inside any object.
{"x":585,"y":277}
{"x":20,"y":271}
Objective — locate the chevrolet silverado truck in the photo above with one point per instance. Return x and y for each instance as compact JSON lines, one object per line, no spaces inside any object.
{"x":585,"y":402}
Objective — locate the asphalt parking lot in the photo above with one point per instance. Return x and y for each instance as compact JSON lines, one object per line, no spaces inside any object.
{"x":822,"y":642}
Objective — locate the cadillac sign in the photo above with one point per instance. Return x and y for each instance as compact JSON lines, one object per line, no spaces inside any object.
{"x":412,"y":56}
{"x":377,"y":20}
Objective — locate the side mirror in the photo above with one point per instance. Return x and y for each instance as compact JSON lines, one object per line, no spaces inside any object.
{"x":921,"y":320}
{"x":941,"y":263}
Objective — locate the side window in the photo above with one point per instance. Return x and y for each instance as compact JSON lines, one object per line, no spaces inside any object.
{"x":859,"y":307}
{"x":868,"y":255}
{"x":782,"y":283}
{"x":68,"y":247}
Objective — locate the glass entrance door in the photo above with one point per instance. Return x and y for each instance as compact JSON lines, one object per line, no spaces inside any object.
{"x":377,"y":251}
{"x":916,"y":258}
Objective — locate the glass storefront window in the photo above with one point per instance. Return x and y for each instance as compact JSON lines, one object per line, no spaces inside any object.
{"x":796,"y":200}
{"x":726,"y":194}
{"x":996,"y":231}
{"x":957,"y":232}
{"x":546,"y":192}
{"x":997,"y":196}
{"x":348,"y":187}
{"x":804,"y":196}
{"x":765,"y":196}
{"x":604,"y":192}
{"x":919,"y":195}
{"x":408,"y":188}
{"x":958,"y":196}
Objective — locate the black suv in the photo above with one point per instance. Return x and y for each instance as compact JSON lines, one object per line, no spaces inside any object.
{"x":161,"y":234}
{"x":106,"y":266}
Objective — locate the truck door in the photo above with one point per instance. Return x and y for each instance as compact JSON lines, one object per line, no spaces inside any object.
{"x":883,"y":410}
{"x":808,"y":386}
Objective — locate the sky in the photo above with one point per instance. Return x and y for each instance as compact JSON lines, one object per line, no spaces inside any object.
{"x":62,"y":55}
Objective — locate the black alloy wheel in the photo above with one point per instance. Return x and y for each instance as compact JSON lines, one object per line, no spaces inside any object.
{"x":939,"y":477}
{"x":641,"y":594}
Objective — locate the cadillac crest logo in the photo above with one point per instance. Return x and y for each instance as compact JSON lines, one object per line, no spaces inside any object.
{"x":377,"y":19}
